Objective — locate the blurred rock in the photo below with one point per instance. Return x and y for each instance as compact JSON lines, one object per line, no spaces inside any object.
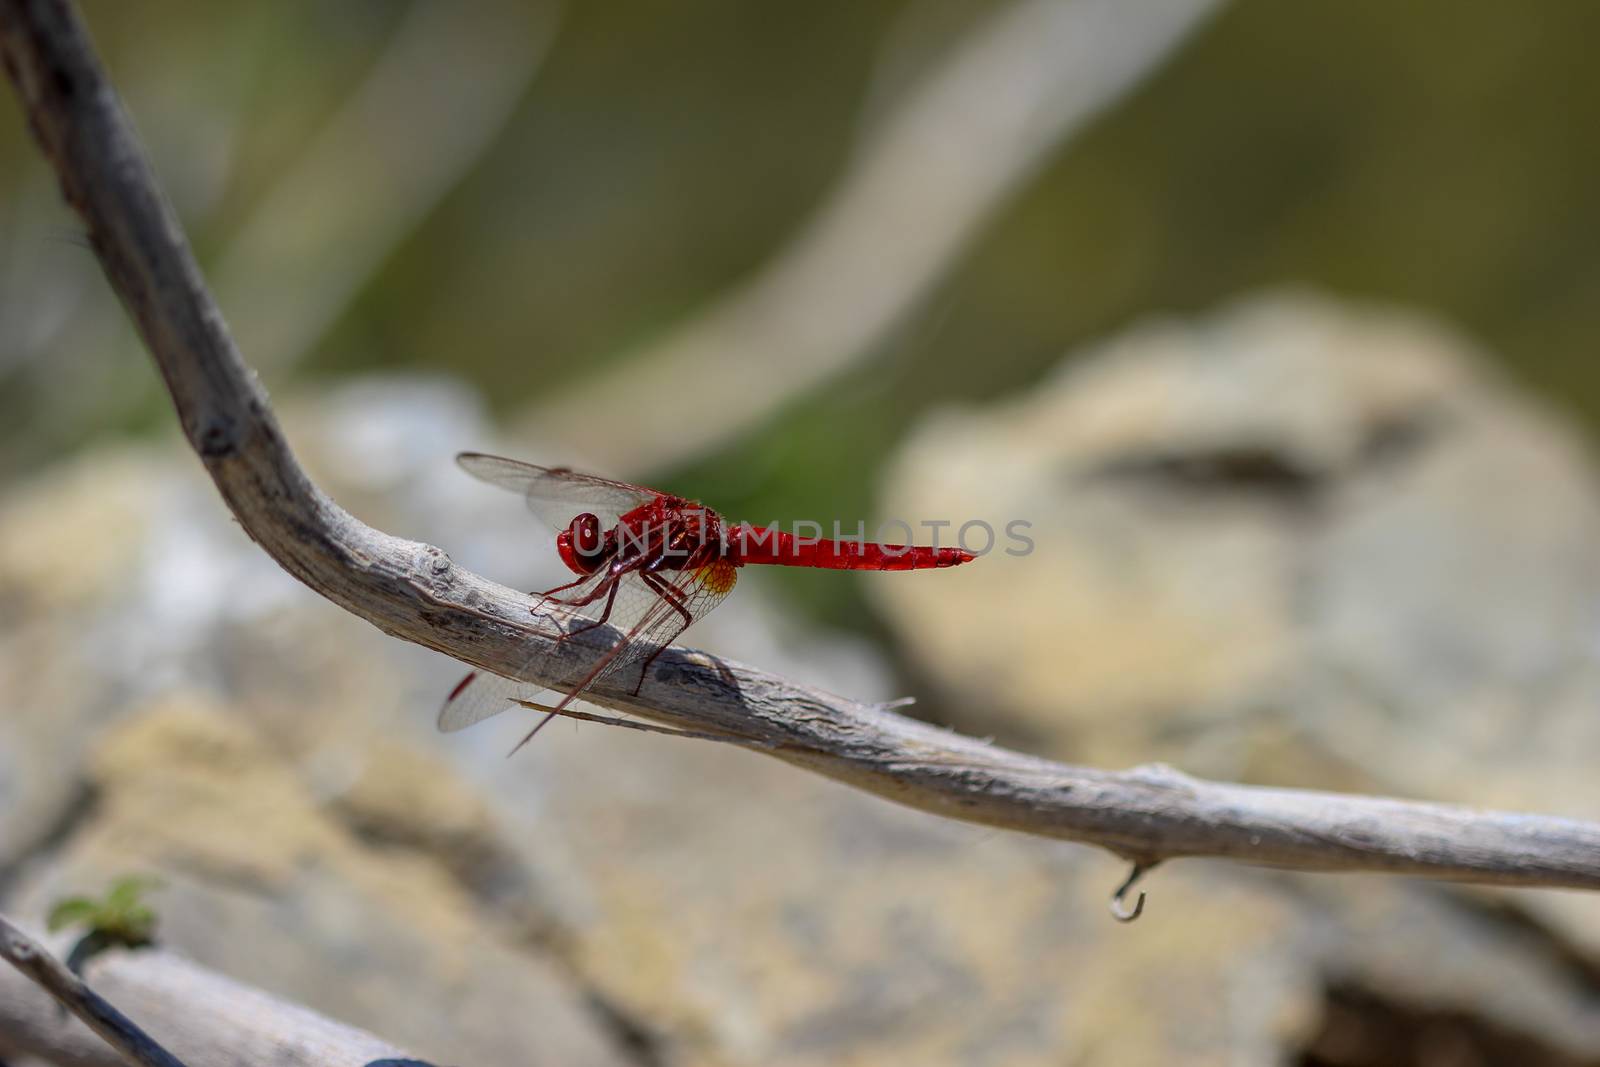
{"x":757,"y":916}
{"x":403,"y":796}
{"x":254,"y":874}
{"x":1302,"y":544}
{"x":72,"y":553}
{"x":616,"y":897}
{"x":1292,"y":543}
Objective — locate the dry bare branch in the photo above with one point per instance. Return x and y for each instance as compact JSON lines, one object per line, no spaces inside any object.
{"x":197,"y":1013}
{"x":414,"y":592}
{"x":36,"y":964}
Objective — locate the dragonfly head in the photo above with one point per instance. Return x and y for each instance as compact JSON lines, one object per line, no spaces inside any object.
{"x":581,"y":544}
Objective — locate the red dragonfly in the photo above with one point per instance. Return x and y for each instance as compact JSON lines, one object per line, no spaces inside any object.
{"x":648,"y":564}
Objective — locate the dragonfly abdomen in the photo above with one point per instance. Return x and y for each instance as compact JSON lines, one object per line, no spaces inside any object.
{"x":775,"y":547}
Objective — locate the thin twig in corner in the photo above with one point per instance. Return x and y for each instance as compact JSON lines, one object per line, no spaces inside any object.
{"x":416,"y":593}
{"x":202,"y":1016}
{"x":118,"y":1031}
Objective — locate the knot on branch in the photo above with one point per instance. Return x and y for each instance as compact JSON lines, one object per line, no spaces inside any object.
{"x":432,"y":566}
{"x":216,"y":438}
{"x":1164,"y":775}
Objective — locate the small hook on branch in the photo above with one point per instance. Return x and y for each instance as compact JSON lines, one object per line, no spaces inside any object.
{"x":1119,"y":910}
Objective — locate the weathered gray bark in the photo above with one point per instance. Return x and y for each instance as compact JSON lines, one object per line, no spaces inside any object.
{"x":413,"y":591}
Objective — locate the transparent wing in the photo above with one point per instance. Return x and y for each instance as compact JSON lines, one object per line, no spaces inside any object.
{"x":649,"y":612}
{"x":682,"y":599}
{"x":556,"y":494}
{"x":483,"y":694}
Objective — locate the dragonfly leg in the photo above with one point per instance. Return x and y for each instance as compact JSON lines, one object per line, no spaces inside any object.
{"x":545,"y":598}
{"x":605,"y":614}
{"x":671,"y":595}
{"x":616,"y":569}
{"x":666,"y":591}
{"x":606,"y":588}
{"x":550,"y":594}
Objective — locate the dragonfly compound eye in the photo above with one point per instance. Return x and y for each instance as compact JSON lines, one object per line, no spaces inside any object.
{"x":586,"y":534}
{"x":581,"y":543}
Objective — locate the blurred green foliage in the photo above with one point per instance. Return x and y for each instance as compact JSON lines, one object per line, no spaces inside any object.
{"x":1434,"y":153}
{"x":121,"y":917}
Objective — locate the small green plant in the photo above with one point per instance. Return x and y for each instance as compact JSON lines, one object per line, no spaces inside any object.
{"x":121,"y":917}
